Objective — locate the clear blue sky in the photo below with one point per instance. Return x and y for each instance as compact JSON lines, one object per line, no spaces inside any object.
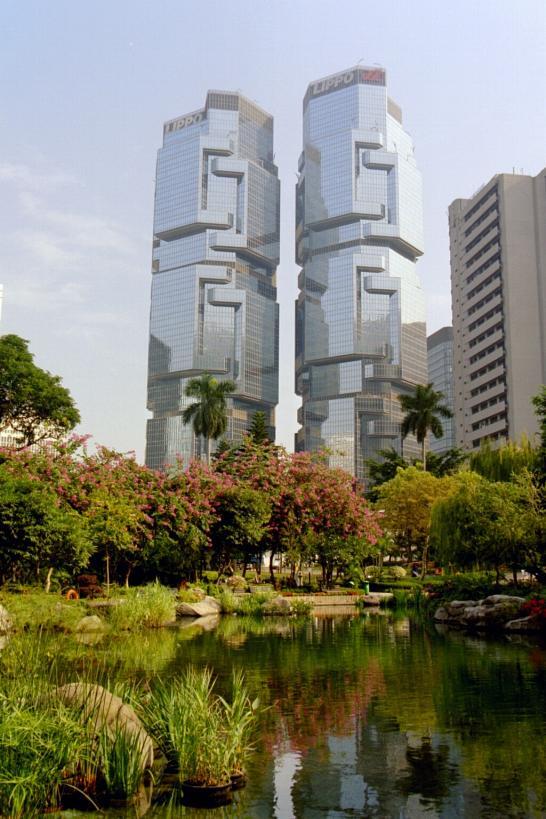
{"x":87,"y":86}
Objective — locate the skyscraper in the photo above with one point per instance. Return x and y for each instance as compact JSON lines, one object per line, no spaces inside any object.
{"x":440,"y":375}
{"x":360,"y":315}
{"x":215,"y":253}
{"x":498,"y":286}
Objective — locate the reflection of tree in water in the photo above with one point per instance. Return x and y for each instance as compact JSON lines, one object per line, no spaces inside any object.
{"x":429,"y":773}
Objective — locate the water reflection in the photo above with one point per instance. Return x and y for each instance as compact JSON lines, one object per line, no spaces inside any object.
{"x":368,"y":716}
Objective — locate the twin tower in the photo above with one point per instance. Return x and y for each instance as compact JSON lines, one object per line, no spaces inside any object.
{"x":360,"y":314}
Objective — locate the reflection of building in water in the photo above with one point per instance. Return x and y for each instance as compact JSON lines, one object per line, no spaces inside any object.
{"x":360,"y":316}
{"x":215,"y":252}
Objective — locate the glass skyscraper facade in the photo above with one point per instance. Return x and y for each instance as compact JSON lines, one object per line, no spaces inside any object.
{"x":360,"y":314}
{"x":440,"y":375}
{"x":215,"y":253}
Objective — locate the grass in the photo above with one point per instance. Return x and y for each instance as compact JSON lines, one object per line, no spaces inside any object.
{"x":202,"y":736}
{"x":40,"y":740}
{"x":149,"y":606}
{"x":36,"y":609}
{"x":120,"y":762}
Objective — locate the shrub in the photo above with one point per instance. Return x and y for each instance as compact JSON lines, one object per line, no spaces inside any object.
{"x":535,"y":607}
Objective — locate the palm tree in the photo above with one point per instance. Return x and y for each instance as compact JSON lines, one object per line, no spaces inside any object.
{"x":208,"y":414}
{"x":422,"y":410}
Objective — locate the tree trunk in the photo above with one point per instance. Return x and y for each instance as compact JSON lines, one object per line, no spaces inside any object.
{"x":515,"y":575}
{"x":424,"y":454}
{"x":425,"y":560}
{"x":48,"y":579}
{"x":271,"y":572}
{"x":207,"y":450}
{"x":127,"y":575}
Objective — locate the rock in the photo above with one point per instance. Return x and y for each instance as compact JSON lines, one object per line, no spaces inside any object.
{"x":6,"y":623}
{"x":201,"y":609}
{"x":91,"y":622}
{"x":453,"y":605}
{"x":104,"y":710}
{"x":279,"y":605}
{"x":492,"y":613}
{"x":505,"y":599}
{"x":531,"y":623}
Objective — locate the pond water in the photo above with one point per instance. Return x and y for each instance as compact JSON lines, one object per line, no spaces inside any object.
{"x":368,"y":715}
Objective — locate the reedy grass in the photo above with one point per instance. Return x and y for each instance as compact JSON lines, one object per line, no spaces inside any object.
{"x":149,"y":606}
{"x":120,"y":762}
{"x":202,"y":736}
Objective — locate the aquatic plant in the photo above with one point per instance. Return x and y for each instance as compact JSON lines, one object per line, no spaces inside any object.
{"x":202,"y":736}
{"x":39,"y":742}
{"x":239,"y":721}
{"x":149,"y":606}
{"x":120,"y":761}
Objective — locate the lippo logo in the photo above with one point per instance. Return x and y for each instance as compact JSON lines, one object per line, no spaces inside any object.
{"x":183,"y":122}
{"x":368,"y":76}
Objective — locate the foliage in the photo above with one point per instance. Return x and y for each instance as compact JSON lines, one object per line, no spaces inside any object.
{"x":120,"y":761}
{"x":36,"y":531}
{"x":422,"y":411}
{"x":407,"y":502}
{"x":202,"y":736}
{"x":535,"y":607}
{"x":258,"y":431}
{"x":504,"y":462}
{"x":487,"y":524}
{"x":32,"y":401}
{"x":208,"y":415}
{"x":242,"y":518}
{"x":149,"y":606}
{"x":315,"y":510}
{"x":539,"y":403}
{"x":39,"y":741}
{"x":438,"y":464}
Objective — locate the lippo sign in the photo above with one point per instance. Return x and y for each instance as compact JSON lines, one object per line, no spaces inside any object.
{"x":182,"y":122}
{"x":367,"y":76}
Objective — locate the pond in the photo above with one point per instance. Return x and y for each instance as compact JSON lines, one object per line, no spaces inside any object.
{"x":372,"y":715}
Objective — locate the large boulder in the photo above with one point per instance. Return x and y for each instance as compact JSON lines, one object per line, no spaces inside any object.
{"x":105,"y":711}
{"x":6,"y":623}
{"x":492,"y":613}
{"x":90,"y":623}
{"x":200,"y":609}
{"x":525,"y":624}
{"x":278,"y":605}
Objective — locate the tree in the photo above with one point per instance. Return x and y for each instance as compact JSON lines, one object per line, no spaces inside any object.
{"x":539,"y":403}
{"x":485,"y":523}
{"x":258,"y":428}
{"x":407,"y":502}
{"x":32,"y":401}
{"x":503,"y":462}
{"x":37,"y":532}
{"x":438,"y":464}
{"x":422,"y":410}
{"x":208,"y":415}
{"x":243,"y":515}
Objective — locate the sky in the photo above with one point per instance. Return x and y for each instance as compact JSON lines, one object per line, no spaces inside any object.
{"x":86,"y":88}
